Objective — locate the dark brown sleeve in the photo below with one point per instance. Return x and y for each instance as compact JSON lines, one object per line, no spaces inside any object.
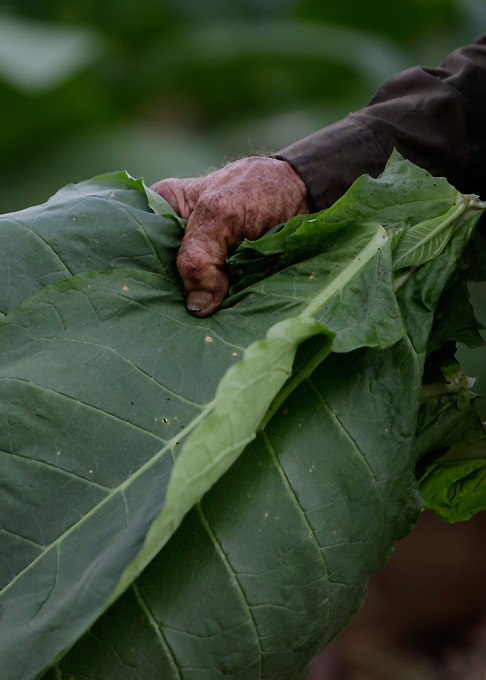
{"x":434,"y":117}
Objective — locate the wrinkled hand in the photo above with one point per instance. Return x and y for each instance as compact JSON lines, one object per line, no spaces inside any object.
{"x":242,"y":200}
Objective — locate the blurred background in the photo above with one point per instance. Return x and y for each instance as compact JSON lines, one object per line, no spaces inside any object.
{"x":173,"y":87}
{"x":176,"y":87}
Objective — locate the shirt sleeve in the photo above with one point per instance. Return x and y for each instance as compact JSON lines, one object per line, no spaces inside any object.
{"x":434,"y":117}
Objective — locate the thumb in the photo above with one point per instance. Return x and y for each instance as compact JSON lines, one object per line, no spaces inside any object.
{"x":200,"y":263}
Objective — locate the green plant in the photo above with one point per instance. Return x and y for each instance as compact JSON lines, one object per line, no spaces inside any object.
{"x":270,"y":448}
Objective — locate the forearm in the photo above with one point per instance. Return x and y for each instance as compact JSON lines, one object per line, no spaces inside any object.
{"x":434,"y":117}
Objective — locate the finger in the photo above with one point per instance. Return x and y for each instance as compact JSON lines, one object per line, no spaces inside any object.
{"x":200,"y":263}
{"x":180,"y":194}
{"x":211,"y":229}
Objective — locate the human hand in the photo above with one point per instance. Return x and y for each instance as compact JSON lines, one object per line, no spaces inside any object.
{"x":242,"y":200}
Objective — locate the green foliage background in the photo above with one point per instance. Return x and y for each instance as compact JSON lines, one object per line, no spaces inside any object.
{"x":166,"y":87}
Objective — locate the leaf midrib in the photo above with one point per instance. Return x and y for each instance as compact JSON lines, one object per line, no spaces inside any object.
{"x":348,"y":273}
{"x":117,"y":490}
{"x":424,"y":241}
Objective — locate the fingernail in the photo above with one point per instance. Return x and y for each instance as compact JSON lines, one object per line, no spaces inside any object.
{"x":197,"y":300}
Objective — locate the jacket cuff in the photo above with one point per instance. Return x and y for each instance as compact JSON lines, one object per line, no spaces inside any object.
{"x":434,"y":117}
{"x":330,"y":160}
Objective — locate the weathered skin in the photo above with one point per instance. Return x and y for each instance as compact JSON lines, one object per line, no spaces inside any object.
{"x":241,"y":200}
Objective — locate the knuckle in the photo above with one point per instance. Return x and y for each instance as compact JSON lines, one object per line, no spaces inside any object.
{"x":192,"y":261}
{"x":223,"y":204}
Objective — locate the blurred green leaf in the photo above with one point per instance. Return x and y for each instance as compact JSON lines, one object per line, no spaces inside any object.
{"x":38,"y":56}
{"x":372,"y":56}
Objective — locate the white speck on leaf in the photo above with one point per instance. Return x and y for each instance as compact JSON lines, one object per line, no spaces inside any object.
{"x":208,"y":338}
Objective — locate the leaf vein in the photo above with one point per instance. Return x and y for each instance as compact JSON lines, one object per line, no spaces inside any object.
{"x":234,"y":576}
{"x":38,"y":236}
{"x":351,"y":440}
{"x":157,"y":629}
{"x":23,"y":538}
{"x":295,"y":500}
{"x":61,"y":470}
{"x":83,"y":404}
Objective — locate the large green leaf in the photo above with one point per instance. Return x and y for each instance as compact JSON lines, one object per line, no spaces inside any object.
{"x":404,"y":199}
{"x":119,"y":411}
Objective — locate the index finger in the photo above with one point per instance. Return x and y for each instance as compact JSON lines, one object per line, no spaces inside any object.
{"x":212,"y":228}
